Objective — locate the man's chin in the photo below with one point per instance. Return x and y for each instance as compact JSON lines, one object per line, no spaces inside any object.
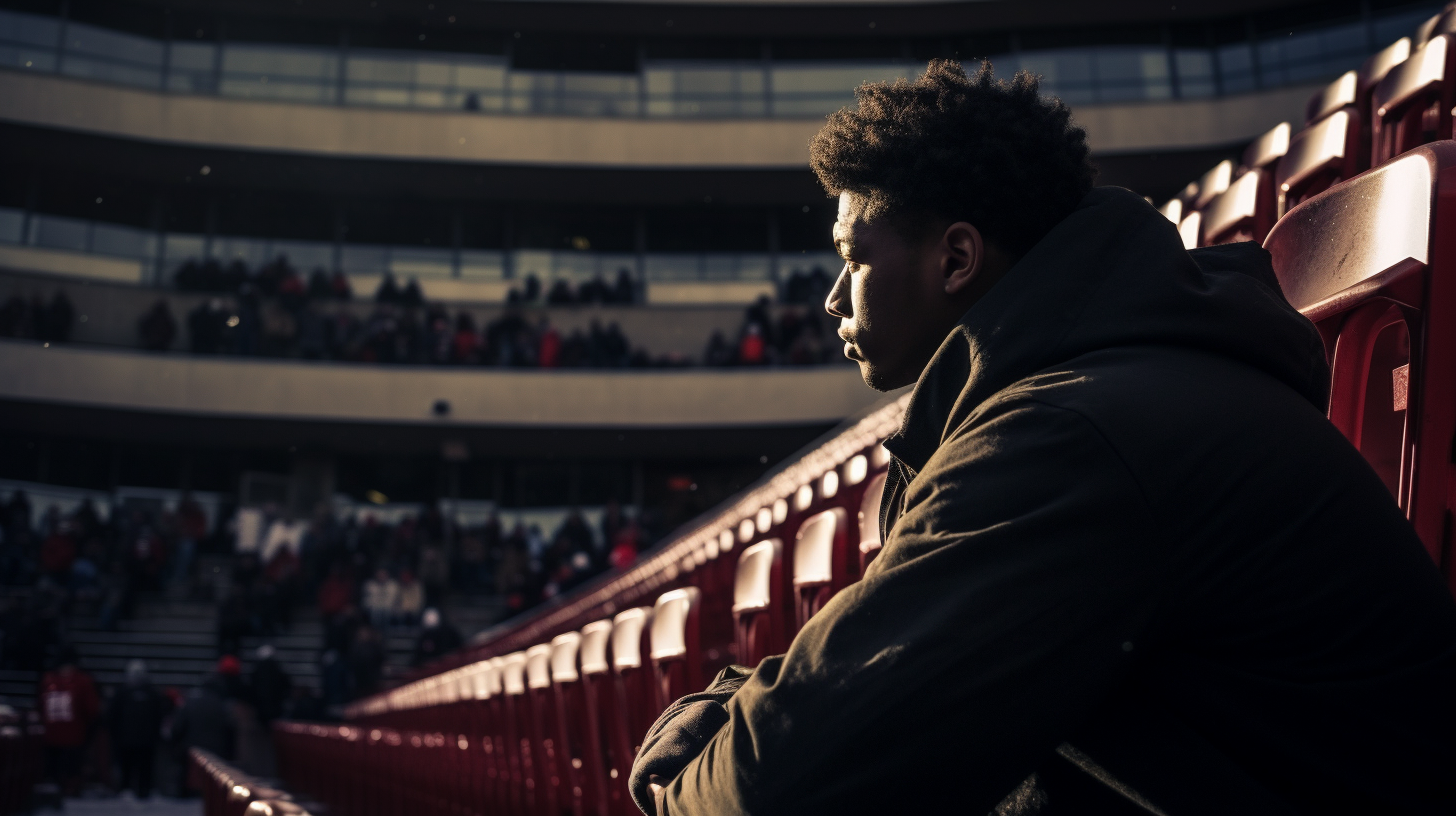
{"x":876,"y":378}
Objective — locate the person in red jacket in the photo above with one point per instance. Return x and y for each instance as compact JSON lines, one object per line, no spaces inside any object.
{"x":69,"y":706}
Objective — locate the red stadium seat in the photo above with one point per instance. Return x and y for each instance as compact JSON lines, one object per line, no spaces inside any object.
{"x":759,"y":617}
{"x":1212,"y":183}
{"x":1442,"y":23}
{"x":1243,"y":212}
{"x":1373,"y":263}
{"x":1353,"y":90}
{"x":603,"y":721}
{"x":497,"y":740}
{"x":1173,"y":210}
{"x":822,"y":563}
{"x":541,"y":700}
{"x":1412,"y":105}
{"x":677,"y":659}
{"x":1190,"y":229}
{"x":635,"y":694}
{"x":1246,"y":210}
{"x":1319,"y":156}
{"x":869,"y":522}
{"x":517,"y":729}
{"x":577,"y":747}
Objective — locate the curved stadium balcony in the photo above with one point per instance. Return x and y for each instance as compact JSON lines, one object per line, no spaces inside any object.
{"x":429,"y":105}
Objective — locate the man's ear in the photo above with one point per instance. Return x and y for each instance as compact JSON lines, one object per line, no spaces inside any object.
{"x":963,"y":257}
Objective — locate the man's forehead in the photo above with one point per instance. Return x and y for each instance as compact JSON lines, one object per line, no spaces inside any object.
{"x":851,"y":216}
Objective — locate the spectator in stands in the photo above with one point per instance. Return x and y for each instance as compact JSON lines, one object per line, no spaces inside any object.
{"x":366,"y":660}
{"x":206,"y":325}
{"x":411,"y":598}
{"x":751,"y":349}
{"x":335,"y":680}
{"x":1086,"y":536}
{"x":69,"y":707}
{"x":136,"y":717}
{"x":268,"y":686}
{"x":380,"y":598}
{"x":206,"y":720}
{"x":437,"y":637}
{"x":157,"y":327}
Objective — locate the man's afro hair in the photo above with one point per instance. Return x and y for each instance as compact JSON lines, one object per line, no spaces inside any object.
{"x":963,"y":148}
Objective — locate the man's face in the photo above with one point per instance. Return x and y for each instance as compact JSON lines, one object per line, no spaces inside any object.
{"x":889,"y":297}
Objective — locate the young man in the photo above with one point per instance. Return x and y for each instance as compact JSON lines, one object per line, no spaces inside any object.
{"x":1119,"y":535}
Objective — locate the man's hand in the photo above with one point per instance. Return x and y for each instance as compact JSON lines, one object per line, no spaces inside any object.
{"x":679,"y":735}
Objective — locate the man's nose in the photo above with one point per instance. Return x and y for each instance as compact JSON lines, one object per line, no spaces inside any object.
{"x":838,"y":303}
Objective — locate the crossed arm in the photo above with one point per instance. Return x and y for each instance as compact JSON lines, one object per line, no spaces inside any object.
{"x":1008,"y":599}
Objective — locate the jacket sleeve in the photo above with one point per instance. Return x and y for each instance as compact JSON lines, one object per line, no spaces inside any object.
{"x":1009,"y":597}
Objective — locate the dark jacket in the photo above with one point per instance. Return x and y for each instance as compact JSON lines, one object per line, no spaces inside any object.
{"x":137,"y":712}
{"x":1116,"y":517}
{"x":206,"y":720}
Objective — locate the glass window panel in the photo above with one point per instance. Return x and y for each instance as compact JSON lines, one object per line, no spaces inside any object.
{"x":263,"y":88}
{"x":531,"y":262}
{"x":27,"y":59}
{"x":1195,"y":73}
{"x":11,"y":222}
{"x":304,"y":256}
{"x":1236,"y":68}
{"x":435,"y":99}
{"x":192,"y":56}
{"x":482,"y":265}
{"x":1132,"y":73}
{"x":272,"y":61}
{"x":125,"y":242}
{"x":476,"y":76}
{"x":70,"y":234}
{"x":95,"y":41}
{"x":574,"y":266}
{"x":365,"y":259}
{"x":433,"y":72}
{"x":380,"y":69}
{"x":253,"y":252}
{"x":105,"y":70}
{"x":420,"y":262}
{"x":31,"y":29}
{"x":178,"y":249}
{"x":674,"y":266}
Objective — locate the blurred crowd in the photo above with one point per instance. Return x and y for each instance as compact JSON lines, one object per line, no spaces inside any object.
{"x":132,"y":737}
{"x":797,"y":336}
{"x":373,"y":583}
{"x":37,"y":319}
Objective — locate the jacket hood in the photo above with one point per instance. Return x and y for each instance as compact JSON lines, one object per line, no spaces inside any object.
{"x":1113,"y":273}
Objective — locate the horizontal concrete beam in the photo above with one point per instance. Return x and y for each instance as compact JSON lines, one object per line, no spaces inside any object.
{"x":606,"y":142}
{"x":357,"y":393}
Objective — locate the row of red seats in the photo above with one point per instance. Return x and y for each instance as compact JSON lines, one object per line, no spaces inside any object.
{"x":22,"y":759}
{"x":227,"y":791}
{"x":553,"y":728}
{"x":1400,"y":98}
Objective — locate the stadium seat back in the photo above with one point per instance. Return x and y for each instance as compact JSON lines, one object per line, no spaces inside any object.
{"x":869,"y":522}
{"x":541,"y":707}
{"x":1268,"y":148}
{"x":1212,"y":183}
{"x":675,"y":651}
{"x":602,"y":719}
{"x":1243,"y":212}
{"x":1191,"y":229}
{"x":517,"y":732}
{"x":1373,"y":263}
{"x":1412,"y":104}
{"x":636,"y":696}
{"x":759,"y":622}
{"x":822,"y":563}
{"x":1342,"y":93}
{"x":1319,"y":156}
{"x":1172,"y":210}
{"x":579,"y":763}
